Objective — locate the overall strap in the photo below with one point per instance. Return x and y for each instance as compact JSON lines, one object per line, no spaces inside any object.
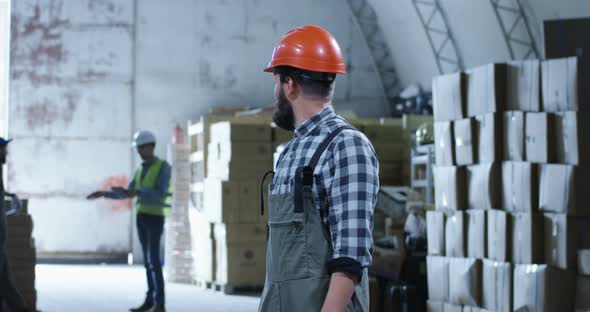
{"x":324,"y":145}
{"x":304,"y":175}
{"x":262,"y":190}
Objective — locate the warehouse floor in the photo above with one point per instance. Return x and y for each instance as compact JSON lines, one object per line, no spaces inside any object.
{"x":91,"y":288}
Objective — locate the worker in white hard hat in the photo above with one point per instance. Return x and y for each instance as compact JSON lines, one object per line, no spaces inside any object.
{"x":151,"y":188}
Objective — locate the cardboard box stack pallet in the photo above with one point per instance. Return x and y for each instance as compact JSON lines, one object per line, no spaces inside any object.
{"x":198,"y":132}
{"x":390,"y":143}
{"x":511,"y":219}
{"x":178,"y":246}
{"x":21,"y":253}
{"x":392,"y":140}
{"x":201,"y":229}
{"x":228,"y":157}
{"x":224,"y":198}
{"x":238,"y":156}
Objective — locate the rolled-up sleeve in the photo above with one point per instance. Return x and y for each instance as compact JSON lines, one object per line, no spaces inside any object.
{"x":351,"y":201}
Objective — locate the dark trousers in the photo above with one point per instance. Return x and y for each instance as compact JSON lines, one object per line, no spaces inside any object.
{"x":150,"y":228}
{"x":9,"y":295}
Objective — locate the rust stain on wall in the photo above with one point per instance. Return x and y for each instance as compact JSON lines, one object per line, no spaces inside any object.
{"x":37,"y":40}
{"x":40,"y":113}
{"x":71,"y":98}
{"x":43,"y":112}
{"x":117,"y":181}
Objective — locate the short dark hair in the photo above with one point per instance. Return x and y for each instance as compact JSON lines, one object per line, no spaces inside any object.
{"x":315,"y":85}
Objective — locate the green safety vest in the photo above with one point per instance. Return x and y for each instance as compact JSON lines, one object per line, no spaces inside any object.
{"x":149,"y":182}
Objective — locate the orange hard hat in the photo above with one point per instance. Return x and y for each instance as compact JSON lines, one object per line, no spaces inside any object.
{"x":308,"y":47}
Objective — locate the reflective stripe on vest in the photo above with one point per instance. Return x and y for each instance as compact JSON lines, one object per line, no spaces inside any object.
{"x":149,"y":181}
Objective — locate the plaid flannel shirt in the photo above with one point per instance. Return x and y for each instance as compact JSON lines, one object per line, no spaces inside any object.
{"x":349,"y":181}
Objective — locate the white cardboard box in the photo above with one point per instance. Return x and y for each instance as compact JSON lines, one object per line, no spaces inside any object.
{"x":465,"y":277}
{"x":497,"y":286}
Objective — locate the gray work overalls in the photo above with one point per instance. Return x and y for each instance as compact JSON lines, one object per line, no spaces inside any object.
{"x":299,"y":246}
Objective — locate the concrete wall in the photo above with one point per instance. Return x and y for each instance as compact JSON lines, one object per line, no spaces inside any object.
{"x":70,"y":111}
{"x":4,"y":64}
{"x":86,"y":74}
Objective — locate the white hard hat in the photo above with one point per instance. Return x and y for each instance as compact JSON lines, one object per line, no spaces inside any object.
{"x":143,"y":137}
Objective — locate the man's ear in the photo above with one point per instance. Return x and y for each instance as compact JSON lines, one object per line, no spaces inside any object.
{"x":291,"y":89}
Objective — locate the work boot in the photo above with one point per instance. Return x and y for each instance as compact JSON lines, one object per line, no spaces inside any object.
{"x":158,"y":308}
{"x":146,"y":306}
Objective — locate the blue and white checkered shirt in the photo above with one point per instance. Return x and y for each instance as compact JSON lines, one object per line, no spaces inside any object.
{"x":349,"y":175}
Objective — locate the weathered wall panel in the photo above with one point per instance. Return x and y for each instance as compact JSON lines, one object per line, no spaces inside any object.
{"x":4,"y":62}
{"x":94,"y":111}
{"x":70,"y":112}
{"x":64,"y":166}
{"x":68,"y":224}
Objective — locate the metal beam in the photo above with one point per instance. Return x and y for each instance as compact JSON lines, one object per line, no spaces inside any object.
{"x":435,"y":25}
{"x":366,"y":19}
{"x":515,"y":29}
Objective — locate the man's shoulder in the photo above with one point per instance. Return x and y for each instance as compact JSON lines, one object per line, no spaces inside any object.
{"x":349,"y":138}
{"x":351,"y":134}
{"x":165,"y":164}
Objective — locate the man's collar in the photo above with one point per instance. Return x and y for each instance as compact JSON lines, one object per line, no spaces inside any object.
{"x":149,"y":162}
{"x":311,"y":124}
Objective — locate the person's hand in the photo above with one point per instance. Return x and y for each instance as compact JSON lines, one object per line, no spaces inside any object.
{"x":131,"y":192}
{"x":95,"y":195}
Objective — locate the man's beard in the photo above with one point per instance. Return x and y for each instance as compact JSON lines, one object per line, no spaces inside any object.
{"x":284,"y":117}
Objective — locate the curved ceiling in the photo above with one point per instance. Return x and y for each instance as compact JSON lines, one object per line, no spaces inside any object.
{"x":475,"y":28}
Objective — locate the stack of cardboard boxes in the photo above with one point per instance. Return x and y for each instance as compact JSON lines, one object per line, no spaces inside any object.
{"x":389,"y":142}
{"x":392,"y":140}
{"x":20,"y":250}
{"x":201,"y":230}
{"x":583,"y":281}
{"x":238,"y":156}
{"x":198,"y":132}
{"x":510,"y":210}
{"x":178,"y":245}
{"x":229,"y":156}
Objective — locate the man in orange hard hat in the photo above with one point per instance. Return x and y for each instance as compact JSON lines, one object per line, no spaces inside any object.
{"x":324,"y":191}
